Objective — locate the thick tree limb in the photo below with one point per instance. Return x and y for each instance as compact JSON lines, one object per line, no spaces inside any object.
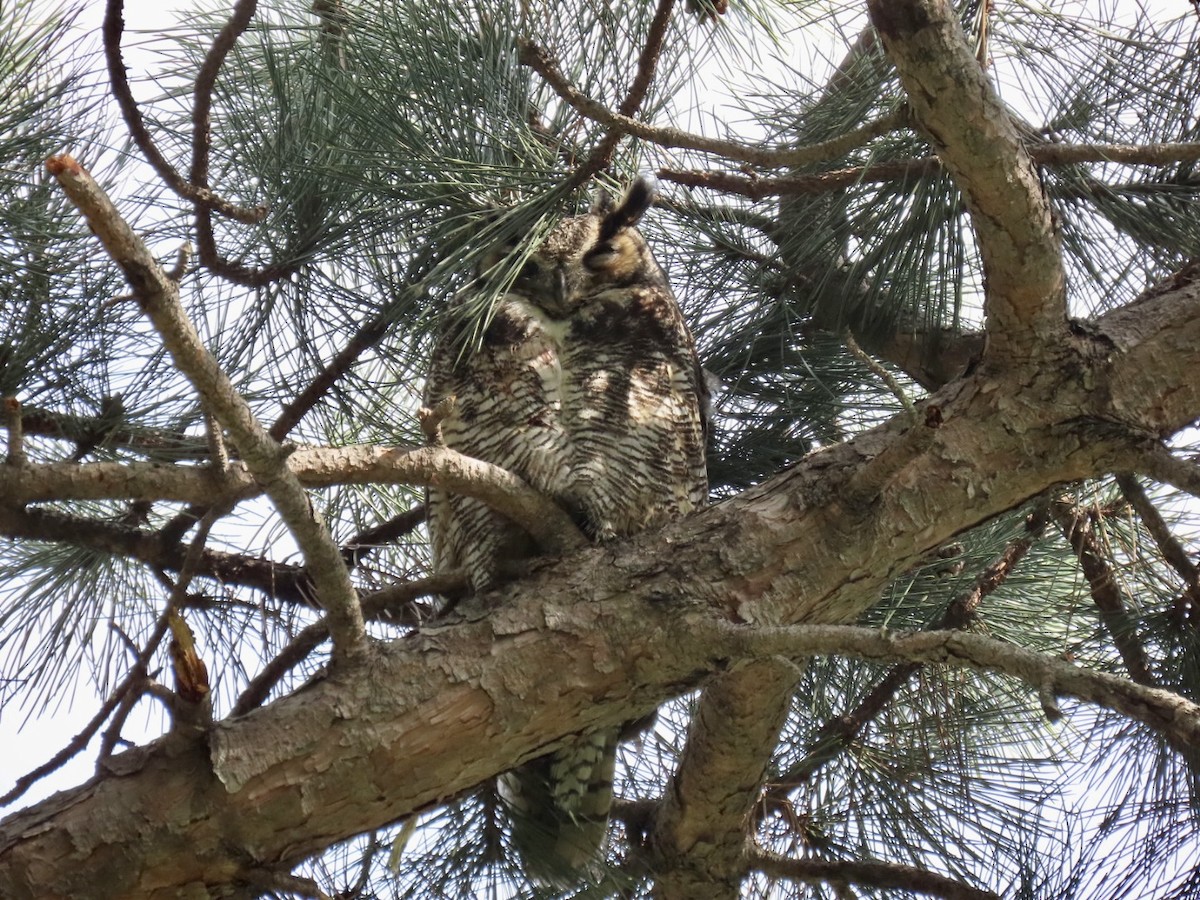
{"x":264,"y":457}
{"x":604,"y":636}
{"x":954,"y":102}
{"x":701,"y":830}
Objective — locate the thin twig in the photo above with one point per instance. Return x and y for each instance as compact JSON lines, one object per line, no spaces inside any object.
{"x":540,"y":60}
{"x":647,"y":63}
{"x":384,"y":533}
{"x":884,"y":875}
{"x":112,"y":29}
{"x":366,"y":337}
{"x":757,"y":188}
{"x":880,"y":372}
{"x":202,"y":90}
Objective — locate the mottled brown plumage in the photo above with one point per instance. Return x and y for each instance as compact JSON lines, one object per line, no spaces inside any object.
{"x":586,"y":385}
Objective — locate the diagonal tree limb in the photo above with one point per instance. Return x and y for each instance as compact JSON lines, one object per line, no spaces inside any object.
{"x":119,"y":697}
{"x":1165,"y":467}
{"x":699,"y":836}
{"x":955,"y":104}
{"x":264,"y":457}
{"x":1110,"y":599}
{"x":1168,"y":545}
{"x":626,"y":625}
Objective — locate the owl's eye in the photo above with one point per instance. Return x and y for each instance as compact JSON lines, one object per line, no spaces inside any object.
{"x":529,"y":271}
{"x":601,"y":256}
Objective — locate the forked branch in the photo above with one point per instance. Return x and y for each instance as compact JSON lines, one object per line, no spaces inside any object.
{"x":266,"y":460}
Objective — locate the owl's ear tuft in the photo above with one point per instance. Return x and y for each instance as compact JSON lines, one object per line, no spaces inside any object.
{"x":637,"y":200}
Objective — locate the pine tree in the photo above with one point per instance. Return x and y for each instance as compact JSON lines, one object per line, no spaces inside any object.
{"x":938,"y":633}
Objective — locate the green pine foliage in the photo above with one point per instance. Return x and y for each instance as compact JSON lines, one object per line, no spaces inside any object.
{"x":392,"y":146}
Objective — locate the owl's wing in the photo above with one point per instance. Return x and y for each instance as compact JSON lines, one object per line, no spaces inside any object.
{"x":504,"y":414}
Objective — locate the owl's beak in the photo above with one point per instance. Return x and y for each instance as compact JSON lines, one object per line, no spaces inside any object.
{"x":560,"y":288}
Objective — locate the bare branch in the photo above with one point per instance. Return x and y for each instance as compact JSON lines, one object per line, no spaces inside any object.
{"x":888,"y":876}
{"x":540,"y":60}
{"x":385,"y":532}
{"x":264,"y":458}
{"x":312,"y":467}
{"x":114,"y":26}
{"x":16,"y":432}
{"x":1166,"y":468}
{"x":758,"y":188}
{"x":837,"y":733}
{"x":366,"y":336}
{"x":394,"y":604}
{"x":954,"y":102}
{"x":1077,"y":527}
{"x":1175,"y":717}
{"x":601,"y":155}
{"x":150,"y":441}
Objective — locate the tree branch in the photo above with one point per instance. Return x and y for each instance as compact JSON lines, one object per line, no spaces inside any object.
{"x":700,"y":830}
{"x":1165,"y":467}
{"x":114,"y":26}
{"x":540,"y":60}
{"x":600,"y":157}
{"x":393,"y":603}
{"x":954,"y":102}
{"x":605,"y":636}
{"x":758,"y":187}
{"x":152,"y":442}
{"x":1174,"y":717}
{"x":1170,"y":548}
{"x":887,"y":876}
{"x":836,"y":734}
{"x":313,"y":467}
{"x":264,"y":457}
{"x":1076,"y":526}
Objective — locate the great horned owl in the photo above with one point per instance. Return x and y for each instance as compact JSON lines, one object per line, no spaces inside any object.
{"x":587,"y":385}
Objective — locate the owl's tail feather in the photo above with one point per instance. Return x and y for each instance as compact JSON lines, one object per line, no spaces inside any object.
{"x":559,"y":804}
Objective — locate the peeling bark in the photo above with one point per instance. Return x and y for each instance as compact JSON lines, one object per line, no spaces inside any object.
{"x":621,"y":627}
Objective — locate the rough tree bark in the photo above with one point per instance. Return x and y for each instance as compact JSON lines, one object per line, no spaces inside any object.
{"x":626,"y":626}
